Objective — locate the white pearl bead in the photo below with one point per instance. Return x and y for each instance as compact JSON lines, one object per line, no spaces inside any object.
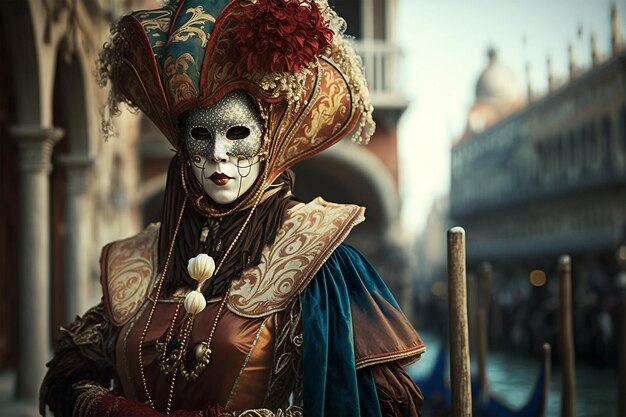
{"x":194,"y":302}
{"x":201,"y":267}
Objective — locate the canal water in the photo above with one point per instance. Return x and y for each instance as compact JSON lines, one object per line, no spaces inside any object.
{"x":511,"y":378}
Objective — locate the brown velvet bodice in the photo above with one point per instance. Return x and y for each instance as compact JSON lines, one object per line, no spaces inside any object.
{"x":238,"y":373}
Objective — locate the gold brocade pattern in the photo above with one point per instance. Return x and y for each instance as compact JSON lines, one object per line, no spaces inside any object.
{"x":154,"y":23}
{"x":324,"y":118}
{"x":180,"y":85}
{"x":193,"y":27}
{"x":304,"y":242}
{"x":129,"y":269}
{"x":263,"y":412}
{"x":286,"y":372}
{"x":184,"y":54}
{"x":158,"y":20}
{"x":90,"y":395}
{"x":329,"y":109}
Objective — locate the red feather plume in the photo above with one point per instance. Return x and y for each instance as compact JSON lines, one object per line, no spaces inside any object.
{"x":280,"y":36}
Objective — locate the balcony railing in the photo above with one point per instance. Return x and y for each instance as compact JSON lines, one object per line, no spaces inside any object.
{"x":380,"y":61}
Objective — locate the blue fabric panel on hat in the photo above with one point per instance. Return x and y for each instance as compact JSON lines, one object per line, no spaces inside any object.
{"x":184,"y":53}
{"x":156,"y":24}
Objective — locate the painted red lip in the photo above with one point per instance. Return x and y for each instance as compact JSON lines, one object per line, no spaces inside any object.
{"x":219,"y":178}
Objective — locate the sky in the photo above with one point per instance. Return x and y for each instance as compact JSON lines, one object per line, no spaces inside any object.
{"x":445,"y":46}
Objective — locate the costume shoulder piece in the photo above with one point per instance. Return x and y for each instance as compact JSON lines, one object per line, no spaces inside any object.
{"x":309,"y":235}
{"x":129,"y":267}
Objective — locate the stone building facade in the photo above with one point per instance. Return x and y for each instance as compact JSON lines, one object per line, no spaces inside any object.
{"x":544,"y":180}
{"x":65,"y":191}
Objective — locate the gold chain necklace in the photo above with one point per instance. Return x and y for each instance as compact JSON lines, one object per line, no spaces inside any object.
{"x":204,"y":347}
{"x":142,"y":373}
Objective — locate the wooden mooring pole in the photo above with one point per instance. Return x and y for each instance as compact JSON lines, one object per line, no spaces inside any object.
{"x":621,"y":352}
{"x":482,"y":327}
{"x":547,"y":366}
{"x":460,"y":373}
{"x":568,"y":377}
{"x":483,"y":380}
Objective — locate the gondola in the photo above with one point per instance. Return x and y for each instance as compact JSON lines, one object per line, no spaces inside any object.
{"x":437,"y":395}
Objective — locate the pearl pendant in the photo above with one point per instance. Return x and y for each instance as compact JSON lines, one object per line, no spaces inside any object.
{"x":201,"y":267}
{"x":194,"y":302}
{"x":202,"y":353}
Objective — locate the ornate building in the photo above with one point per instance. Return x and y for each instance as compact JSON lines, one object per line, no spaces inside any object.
{"x":529,"y":183}
{"x":65,"y":191}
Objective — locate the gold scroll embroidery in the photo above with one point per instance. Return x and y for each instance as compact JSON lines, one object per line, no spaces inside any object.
{"x":131,"y":267}
{"x":304,"y":242}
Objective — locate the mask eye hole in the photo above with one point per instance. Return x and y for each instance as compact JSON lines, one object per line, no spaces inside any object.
{"x":200,"y":133}
{"x":237,"y":132}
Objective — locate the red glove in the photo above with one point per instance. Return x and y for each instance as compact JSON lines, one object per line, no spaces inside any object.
{"x":100,"y":402}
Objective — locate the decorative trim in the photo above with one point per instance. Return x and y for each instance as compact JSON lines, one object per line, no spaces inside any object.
{"x":129,"y":267}
{"x":407,"y":356}
{"x":307,"y":238}
{"x":285,"y":381}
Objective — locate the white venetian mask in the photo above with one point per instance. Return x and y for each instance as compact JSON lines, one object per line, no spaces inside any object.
{"x":223,"y":142}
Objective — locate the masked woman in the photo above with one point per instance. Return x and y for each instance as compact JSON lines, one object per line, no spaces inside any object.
{"x":243,"y":301}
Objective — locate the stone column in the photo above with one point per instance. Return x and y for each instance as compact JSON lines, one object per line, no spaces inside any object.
{"x":77,"y":244}
{"x":34,"y":150}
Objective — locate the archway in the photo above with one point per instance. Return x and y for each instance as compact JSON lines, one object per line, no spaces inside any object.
{"x":16,"y":21}
{"x":347,"y":173}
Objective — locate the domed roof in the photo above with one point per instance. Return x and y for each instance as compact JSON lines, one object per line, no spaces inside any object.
{"x":497,"y":82}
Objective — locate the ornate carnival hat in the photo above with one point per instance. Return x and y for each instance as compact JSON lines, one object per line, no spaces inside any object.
{"x":290,"y":55}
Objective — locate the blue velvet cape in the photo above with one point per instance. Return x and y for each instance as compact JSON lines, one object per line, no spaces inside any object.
{"x":332,"y":385}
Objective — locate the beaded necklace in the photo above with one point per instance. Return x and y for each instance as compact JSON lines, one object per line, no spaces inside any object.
{"x":175,"y":361}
